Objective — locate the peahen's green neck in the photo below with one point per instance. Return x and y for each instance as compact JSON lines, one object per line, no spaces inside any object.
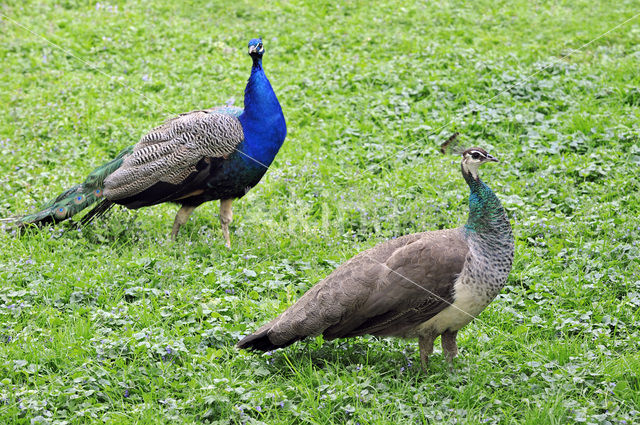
{"x":486,"y":214}
{"x":488,"y":234}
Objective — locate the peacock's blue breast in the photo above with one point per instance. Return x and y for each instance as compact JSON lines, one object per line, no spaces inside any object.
{"x":234,"y":177}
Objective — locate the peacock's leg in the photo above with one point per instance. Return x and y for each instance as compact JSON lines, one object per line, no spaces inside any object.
{"x":425,"y":342}
{"x":449,"y":346}
{"x":181,"y":218}
{"x":226,"y":215}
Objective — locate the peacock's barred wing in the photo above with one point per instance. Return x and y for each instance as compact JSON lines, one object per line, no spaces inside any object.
{"x":169,"y":153}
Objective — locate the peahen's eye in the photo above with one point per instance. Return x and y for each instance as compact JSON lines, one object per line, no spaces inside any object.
{"x":475,"y":155}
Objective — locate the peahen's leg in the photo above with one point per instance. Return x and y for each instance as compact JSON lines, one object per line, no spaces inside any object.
{"x":425,"y":342}
{"x":226,"y":215}
{"x":449,"y":346}
{"x":181,"y":218}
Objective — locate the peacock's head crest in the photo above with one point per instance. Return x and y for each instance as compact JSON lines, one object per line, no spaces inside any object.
{"x":256,"y":48}
{"x":473,"y":158}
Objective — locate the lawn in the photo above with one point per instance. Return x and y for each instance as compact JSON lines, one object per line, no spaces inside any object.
{"x":115,"y":323}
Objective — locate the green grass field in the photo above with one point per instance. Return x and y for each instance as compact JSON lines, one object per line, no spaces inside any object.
{"x":114,"y":323}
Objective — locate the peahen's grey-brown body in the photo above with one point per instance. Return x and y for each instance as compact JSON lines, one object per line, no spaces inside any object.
{"x":417,"y":286}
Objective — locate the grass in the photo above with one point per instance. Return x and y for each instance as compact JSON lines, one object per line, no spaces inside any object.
{"x":115,"y":323}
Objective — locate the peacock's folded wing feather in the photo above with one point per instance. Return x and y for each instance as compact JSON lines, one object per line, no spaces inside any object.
{"x":170,"y":152}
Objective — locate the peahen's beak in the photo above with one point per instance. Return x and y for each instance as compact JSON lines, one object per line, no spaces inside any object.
{"x":492,"y":158}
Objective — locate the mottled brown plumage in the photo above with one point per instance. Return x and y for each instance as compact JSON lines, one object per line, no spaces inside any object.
{"x":383,"y":291}
{"x":418,"y":286}
{"x":170,"y":153}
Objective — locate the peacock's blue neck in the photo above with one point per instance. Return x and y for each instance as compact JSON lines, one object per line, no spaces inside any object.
{"x":486,"y":214}
{"x":262,"y":120}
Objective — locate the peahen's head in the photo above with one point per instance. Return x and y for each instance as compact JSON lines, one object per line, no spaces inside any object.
{"x":472,"y":159}
{"x":256,"y":48}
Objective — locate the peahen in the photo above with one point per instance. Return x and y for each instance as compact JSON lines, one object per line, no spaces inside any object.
{"x":417,"y":286}
{"x":218,"y":153}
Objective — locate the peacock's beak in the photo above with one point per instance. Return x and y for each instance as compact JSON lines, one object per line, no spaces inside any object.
{"x":252,"y":49}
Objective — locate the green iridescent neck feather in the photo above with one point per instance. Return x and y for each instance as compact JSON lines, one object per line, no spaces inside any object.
{"x":485,"y":210}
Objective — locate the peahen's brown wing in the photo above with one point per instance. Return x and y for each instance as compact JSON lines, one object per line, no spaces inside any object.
{"x":386,"y":290}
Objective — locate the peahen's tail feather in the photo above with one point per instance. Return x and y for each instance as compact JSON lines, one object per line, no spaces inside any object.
{"x":73,"y":200}
{"x":259,"y":341}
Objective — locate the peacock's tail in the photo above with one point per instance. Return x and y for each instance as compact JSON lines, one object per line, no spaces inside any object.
{"x":77,"y":198}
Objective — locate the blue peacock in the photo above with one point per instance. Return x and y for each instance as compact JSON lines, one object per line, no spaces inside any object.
{"x":213,"y":154}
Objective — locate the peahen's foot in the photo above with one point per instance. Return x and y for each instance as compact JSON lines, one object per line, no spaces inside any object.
{"x":449,"y":346}
{"x":425,"y":342}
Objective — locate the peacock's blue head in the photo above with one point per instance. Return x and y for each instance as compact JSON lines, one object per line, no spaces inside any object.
{"x":473,"y":158}
{"x":256,"y":48}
